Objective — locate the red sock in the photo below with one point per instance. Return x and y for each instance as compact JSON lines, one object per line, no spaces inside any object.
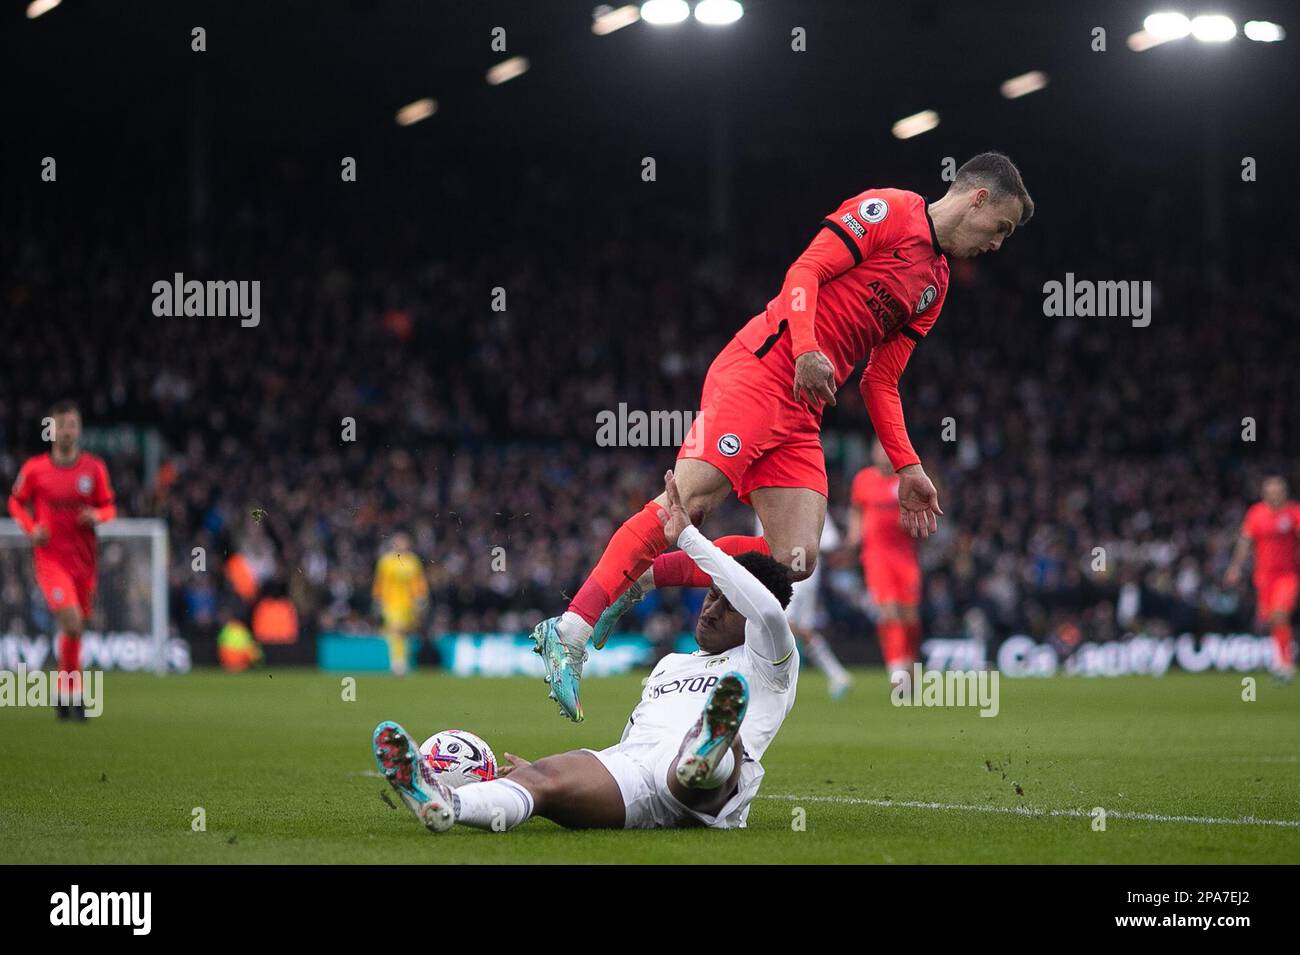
{"x":627,"y":555}
{"x":893,"y":644}
{"x":1282,"y":644}
{"x":69,"y":649}
{"x":678,"y":570}
{"x":913,"y":639}
{"x":69,"y":655}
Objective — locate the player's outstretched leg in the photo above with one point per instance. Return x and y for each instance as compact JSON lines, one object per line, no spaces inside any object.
{"x":675,"y":569}
{"x":398,"y":758}
{"x":562,"y":641}
{"x":707,"y":759}
{"x":563,"y":670}
{"x":838,"y":680}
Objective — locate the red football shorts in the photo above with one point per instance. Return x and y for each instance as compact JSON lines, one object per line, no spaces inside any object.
{"x":752,"y":430}
{"x":892,"y":578}
{"x":63,"y":588}
{"x":1276,"y":592}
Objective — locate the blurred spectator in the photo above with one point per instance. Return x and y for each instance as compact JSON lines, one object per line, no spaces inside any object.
{"x":1095,"y":486}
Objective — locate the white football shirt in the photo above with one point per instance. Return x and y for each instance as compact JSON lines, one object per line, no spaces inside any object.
{"x":680,"y":683}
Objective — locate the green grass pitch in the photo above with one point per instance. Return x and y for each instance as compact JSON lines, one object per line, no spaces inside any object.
{"x":280,"y":764}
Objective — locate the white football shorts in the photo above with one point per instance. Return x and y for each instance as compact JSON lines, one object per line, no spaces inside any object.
{"x":642,"y":775}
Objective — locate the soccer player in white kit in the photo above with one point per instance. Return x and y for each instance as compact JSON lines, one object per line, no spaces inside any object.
{"x":690,"y":752}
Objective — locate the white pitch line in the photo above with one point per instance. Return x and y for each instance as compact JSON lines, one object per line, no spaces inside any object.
{"x":1015,"y":810}
{"x":1030,"y":811}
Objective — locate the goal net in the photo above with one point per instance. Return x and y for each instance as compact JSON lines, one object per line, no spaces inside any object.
{"x":128,"y":627}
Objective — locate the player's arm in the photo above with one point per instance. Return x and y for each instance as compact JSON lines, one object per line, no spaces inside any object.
{"x":18,"y":511}
{"x":918,"y":500}
{"x":770,"y":637}
{"x":857,"y":497}
{"x":19,"y":508}
{"x":853,"y":537}
{"x":104,"y":506}
{"x":824,"y":259}
{"x":1240,"y":554}
{"x":841,"y":243}
{"x":420,"y":591}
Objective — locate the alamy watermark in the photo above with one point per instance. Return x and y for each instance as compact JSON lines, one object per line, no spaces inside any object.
{"x":209,"y":299}
{"x":623,"y":428}
{"x":75,"y":907}
{"x":1084,"y":298}
{"x":922,"y":687}
{"x":21,"y":687}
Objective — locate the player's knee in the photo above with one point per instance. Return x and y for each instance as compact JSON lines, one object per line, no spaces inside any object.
{"x":702,"y":488}
{"x":70,"y":621}
{"x":801,"y":559}
{"x":699,"y":504}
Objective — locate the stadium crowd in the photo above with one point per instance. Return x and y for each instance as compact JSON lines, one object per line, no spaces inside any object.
{"x":474,"y":429}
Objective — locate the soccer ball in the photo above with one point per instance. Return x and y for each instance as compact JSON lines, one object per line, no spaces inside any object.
{"x":456,"y":757}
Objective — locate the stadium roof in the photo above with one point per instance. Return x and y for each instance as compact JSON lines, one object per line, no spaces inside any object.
{"x":306,"y":77}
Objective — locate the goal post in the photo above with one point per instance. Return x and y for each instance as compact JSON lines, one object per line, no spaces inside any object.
{"x":131,"y":597}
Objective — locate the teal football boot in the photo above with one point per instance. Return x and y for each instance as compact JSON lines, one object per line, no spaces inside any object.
{"x":562,"y":672}
{"x":613,"y":613}
{"x":716,"y":730}
{"x":431,"y":801}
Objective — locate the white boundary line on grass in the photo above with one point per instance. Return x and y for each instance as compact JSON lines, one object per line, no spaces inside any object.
{"x":1015,"y":810}
{"x":1031,"y":811}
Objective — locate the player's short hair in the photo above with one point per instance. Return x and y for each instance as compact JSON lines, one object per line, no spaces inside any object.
{"x":999,"y":175}
{"x":64,"y":406}
{"x":771,"y":573}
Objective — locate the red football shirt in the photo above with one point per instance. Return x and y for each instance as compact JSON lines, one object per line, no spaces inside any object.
{"x":57,"y":496}
{"x":1274,"y":534}
{"x":872,"y":283}
{"x":876,"y":495}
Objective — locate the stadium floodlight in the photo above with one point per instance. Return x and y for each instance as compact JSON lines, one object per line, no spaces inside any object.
{"x":1024,"y":84}
{"x":916,"y":124}
{"x":412,"y":113}
{"x":662,"y":13}
{"x":1262,"y":31}
{"x":37,"y":7}
{"x":1142,"y":41}
{"x":1166,"y":26}
{"x":718,"y":13}
{"x":1213,"y":28}
{"x":507,"y":70}
{"x":606,"y":19}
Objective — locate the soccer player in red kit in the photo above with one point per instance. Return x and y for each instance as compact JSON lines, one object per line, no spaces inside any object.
{"x":58,"y":499}
{"x":869,"y":286}
{"x":889,"y":564}
{"x":1272,"y":529}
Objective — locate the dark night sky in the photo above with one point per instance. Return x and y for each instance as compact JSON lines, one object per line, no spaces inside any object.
{"x":111,"y":87}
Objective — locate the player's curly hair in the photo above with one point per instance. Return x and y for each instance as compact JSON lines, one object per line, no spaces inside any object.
{"x":771,"y":573}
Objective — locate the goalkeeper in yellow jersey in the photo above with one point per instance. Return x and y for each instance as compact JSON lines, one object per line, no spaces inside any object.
{"x":400,"y":593}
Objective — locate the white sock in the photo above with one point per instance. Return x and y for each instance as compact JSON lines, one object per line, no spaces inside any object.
{"x":574,"y":631}
{"x":498,"y":804}
{"x":721,"y":773}
{"x":825,"y":657}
